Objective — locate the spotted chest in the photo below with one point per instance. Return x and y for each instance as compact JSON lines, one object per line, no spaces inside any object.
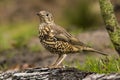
{"x":46,"y":36}
{"x":45,"y":32}
{"x":59,"y":47}
{"x":47,"y":39}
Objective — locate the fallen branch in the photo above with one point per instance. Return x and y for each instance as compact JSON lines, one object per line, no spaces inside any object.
{"x":55,"y":74}
{"x":111,"y":23}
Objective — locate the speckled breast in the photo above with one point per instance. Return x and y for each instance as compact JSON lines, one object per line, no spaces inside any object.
{"x":53,"y":45}
{"x":59,"y":47}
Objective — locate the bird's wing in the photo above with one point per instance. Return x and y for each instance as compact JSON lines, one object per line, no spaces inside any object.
{"x":61,"y":34}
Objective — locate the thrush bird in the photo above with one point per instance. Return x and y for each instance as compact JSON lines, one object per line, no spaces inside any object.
{"x":57,"y":40}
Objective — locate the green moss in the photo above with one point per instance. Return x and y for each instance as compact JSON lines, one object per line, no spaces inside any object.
{"x":108,"y":15}
{"x":116,"y":37}
{"x":111,"y":23}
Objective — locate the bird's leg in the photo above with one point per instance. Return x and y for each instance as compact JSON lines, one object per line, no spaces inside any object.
{"x":59,"y":60}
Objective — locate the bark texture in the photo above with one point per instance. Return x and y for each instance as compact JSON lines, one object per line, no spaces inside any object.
{"x":111,"y":23}
{"x":55,"y":74}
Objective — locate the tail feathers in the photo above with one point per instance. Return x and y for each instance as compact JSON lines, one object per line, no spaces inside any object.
{"x":93,"y":50}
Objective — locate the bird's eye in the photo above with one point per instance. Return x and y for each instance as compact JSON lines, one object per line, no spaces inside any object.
{"x":47,"y":14}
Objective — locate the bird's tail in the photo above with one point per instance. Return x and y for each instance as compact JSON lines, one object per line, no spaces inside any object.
{"x":93,"y":50}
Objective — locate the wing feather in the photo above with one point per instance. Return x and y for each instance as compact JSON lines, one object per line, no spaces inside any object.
{"x":61,"y":34}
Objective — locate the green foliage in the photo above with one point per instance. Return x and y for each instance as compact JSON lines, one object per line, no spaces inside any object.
{"x":106,"y":65}
{"x":23,"y":35}
{"x":4,"y":38}
{"x":16,"y":35}
{"x":81,"y":15}
{"x":3,"y":67}
{"x":35,"y":48}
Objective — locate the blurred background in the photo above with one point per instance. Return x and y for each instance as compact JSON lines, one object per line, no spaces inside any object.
{"x":19,"y":43}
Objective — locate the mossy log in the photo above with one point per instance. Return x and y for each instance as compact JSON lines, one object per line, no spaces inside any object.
{"x":112,"y":26}
{"x":55,"y":74}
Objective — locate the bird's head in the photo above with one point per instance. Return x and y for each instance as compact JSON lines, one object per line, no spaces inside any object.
{"x":45,"y":17}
